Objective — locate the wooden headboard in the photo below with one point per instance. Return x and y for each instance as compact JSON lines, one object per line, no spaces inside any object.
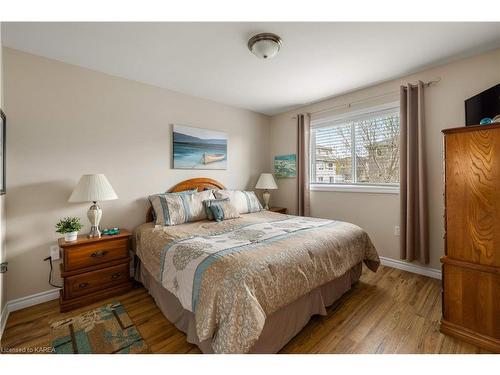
{"x":194,"y":183}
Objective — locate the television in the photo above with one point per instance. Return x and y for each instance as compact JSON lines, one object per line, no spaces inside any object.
{"x":485,"y":104}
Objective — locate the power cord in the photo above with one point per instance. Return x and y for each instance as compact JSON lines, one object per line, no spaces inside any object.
{"x":49,"y":258}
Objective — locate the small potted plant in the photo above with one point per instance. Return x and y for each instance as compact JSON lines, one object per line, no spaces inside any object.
{"x":69,"y":226}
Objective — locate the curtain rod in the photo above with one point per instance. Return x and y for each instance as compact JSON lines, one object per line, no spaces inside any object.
{"x":348,"y":105}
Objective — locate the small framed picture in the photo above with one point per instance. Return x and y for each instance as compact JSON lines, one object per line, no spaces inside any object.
{"x":3,"y":124}
{"x":285,"y":166}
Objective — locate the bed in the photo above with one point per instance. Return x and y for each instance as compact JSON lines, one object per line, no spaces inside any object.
{"x":248,"y":285}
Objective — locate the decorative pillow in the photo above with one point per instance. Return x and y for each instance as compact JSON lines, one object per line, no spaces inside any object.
{"x":223,"y":210}
{"x":192,"y":191}
{"x":208,"y":203}
{"x":176,"y":193}
{"x":173,"y":209}
{"x":244,"y":201}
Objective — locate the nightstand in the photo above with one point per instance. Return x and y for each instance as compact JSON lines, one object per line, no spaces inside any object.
{"x":281,"y":210}
{"x":94,"y":269}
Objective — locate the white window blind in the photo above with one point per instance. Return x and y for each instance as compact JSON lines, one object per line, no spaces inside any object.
{"x":359,"y":148}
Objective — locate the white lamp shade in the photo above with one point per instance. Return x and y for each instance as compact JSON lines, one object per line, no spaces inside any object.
{"x":93,"y":188}
{"x":266,"y":181}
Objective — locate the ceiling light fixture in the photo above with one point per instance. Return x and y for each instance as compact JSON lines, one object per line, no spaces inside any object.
{"x":265,"y":45}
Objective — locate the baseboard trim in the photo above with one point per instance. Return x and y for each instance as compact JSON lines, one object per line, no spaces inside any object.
{"x":410,"y":267}
{"x":34,"y":299}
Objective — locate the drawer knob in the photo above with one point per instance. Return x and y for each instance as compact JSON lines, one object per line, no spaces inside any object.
{"x":99,"y":254}
{"x":83,"y":285}
{"x":115,"y":275}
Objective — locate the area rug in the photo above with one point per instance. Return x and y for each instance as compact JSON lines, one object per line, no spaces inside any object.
{"x":105,"y":330}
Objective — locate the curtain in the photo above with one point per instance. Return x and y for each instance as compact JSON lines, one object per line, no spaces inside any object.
{"x":414,"y":235}
{"x":304,"y":128}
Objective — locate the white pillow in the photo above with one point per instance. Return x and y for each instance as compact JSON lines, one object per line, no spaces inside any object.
{"x":244,"y":201}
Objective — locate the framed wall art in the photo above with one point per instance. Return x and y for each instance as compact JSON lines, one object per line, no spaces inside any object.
{"x":195,"y":148}
{"x":285,"y":166}
{"x":3,"y":126}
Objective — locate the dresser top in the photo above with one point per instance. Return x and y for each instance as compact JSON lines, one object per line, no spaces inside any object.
{"x":471,"y":128}
{"x":83,"y":239}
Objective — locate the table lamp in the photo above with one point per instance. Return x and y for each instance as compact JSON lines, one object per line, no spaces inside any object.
{"x":93,"y":188}
{"x":266,"y":181}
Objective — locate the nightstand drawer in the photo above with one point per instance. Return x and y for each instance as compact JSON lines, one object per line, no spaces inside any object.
{"x":75,"y":286}
{"x":82,"y":256}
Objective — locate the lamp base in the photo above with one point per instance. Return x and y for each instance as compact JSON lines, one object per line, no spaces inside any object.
{"x":266,"y":196}
{"x":94,"y":214}
{"x":94,"y":232}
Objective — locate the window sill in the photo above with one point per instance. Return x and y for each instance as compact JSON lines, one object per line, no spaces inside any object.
{"x":356,"y":188}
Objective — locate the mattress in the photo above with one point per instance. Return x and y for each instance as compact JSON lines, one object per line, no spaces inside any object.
{"x":233,"y":275}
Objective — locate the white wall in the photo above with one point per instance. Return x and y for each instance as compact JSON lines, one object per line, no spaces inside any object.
{"x":379,"y":213}
{"x":65,"y":121}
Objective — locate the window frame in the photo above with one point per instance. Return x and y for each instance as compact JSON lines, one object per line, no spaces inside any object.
{"x":352,"y":186}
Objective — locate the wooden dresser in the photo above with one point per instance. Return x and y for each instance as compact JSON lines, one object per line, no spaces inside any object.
{"x":94,"y":268}
{"x":471,"y":265}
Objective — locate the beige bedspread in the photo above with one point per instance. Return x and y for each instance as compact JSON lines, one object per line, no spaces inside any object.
{"x":234,"y":273}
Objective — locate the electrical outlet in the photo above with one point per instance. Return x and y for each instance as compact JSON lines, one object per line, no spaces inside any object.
{"x":396,"y":230}
{"x":54,"y":252}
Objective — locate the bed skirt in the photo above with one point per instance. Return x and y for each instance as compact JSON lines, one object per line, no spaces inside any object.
{"x":279,"y":328}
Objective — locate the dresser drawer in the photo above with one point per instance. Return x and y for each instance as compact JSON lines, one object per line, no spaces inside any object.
{"x":88,"y":282}
{"x":82,"y":256}
{"x":471,"y":298}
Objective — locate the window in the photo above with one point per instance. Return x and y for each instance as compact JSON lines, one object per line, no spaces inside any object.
{"x":360,"y":150}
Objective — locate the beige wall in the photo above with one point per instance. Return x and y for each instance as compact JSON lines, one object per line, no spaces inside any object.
{"x":65,"y":121}
{"x":379,"y":213}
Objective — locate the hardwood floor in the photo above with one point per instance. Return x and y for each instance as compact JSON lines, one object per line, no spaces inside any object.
{"x":392,"y":311}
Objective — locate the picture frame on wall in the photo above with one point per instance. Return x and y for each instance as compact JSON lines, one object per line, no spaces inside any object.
{"x":285,"y":166}
{"x":196,"y":148}
{"x":3,"y":126}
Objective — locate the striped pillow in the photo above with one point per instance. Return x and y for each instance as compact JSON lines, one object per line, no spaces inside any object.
{"x":222,"y":209}
{"x":209,"y":203}
{"x":244,"y":201}
{"x":176,"y":193}
{"x":173,"y":209}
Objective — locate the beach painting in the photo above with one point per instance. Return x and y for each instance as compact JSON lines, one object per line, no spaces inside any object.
{"x":195,"y":148}
{"x":285,"y":166}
